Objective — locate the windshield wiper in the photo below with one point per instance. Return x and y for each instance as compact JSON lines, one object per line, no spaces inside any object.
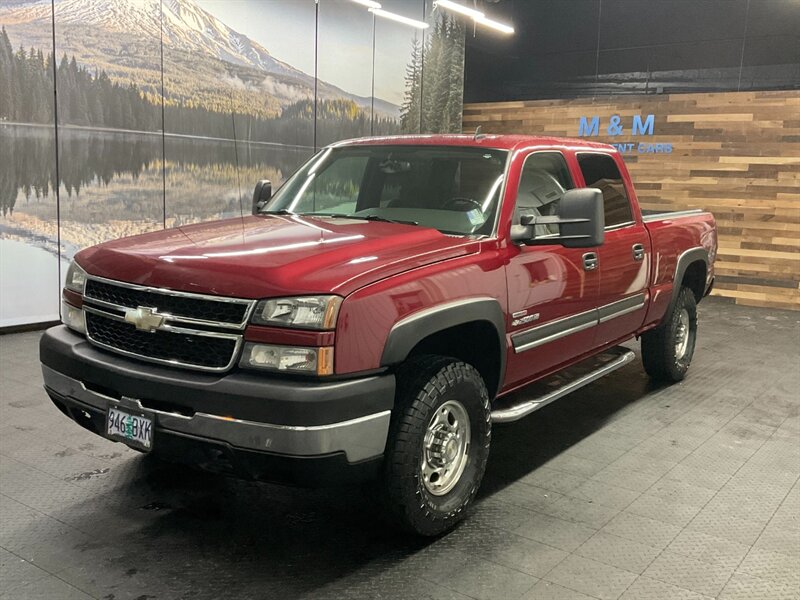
{"x":385,"y":220}
{"x":282,"y":211}
{"x":361,"y":217}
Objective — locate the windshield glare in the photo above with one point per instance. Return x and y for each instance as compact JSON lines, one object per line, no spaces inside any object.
{"x":449,"y":188}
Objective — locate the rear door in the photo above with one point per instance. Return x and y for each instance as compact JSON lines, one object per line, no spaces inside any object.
{"x":624,"y":257}
{"x":551,"y":293}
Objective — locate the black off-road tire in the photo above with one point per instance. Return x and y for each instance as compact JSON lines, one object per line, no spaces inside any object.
{"x":424,"y":384}
{"x":659,"y":354}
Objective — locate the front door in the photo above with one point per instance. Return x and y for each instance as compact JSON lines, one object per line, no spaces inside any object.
{"x":551,"y":289}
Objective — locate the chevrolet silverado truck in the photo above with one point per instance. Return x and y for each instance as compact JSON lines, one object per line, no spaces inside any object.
{"x":378,"y":313}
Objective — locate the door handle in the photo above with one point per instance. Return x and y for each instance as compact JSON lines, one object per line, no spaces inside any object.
{"x":590,"y":261}
{"x":638,"y":251}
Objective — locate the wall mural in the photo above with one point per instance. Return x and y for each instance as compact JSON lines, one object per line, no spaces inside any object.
{"x":169,"y":111}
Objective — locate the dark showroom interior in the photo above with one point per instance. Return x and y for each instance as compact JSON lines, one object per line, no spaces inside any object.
{"x":400,"y":299}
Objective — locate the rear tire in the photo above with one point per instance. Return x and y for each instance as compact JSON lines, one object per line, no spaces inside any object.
{"x":667,"y":350}
{"x":438,"y":444}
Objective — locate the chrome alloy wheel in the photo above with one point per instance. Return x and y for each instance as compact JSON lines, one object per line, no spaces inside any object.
{"x":682,"y":335}
{"x":445,"y":448}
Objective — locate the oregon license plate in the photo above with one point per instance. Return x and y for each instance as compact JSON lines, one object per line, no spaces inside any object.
{"x":134,"y":430}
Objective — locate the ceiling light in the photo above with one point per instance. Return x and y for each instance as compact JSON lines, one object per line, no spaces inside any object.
{"x":368,"y":3}
{"x":459,"y":8}
{"x":502,"y":27}
{"x":399,"y":18}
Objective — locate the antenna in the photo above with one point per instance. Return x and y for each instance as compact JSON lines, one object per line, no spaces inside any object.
{"x":478,"y":133}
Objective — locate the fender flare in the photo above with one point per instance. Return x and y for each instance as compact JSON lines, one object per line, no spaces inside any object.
{"x":684,"y":260}
{"x":409,"y":331}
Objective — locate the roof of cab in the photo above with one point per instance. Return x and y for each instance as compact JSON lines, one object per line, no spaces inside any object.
{"x":488,"y":140}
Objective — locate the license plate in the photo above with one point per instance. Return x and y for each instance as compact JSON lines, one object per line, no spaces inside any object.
{"x":134,"y":430}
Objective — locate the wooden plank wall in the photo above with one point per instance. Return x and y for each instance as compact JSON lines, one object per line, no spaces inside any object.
{"x":736,"y":154}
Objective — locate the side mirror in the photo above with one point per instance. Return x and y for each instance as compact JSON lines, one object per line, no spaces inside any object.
{"x":580,"y":220}
{"x":261,"y":194}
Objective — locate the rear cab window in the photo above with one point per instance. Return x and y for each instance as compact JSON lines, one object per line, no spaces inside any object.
{"x":601,"y":171}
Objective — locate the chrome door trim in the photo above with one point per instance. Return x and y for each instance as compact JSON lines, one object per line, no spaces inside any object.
{"x":623,"y":225}
{"x":554,"y":330}
{"x":621,"y":307}
{"x":534,"y":337}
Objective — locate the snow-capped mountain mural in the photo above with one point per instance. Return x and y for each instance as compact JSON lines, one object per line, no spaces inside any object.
{"x":167,"y":112}
{"x":123,"y":38}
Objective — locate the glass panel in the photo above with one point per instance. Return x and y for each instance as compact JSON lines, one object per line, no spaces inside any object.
{"x":600,"y":171}
{"x":109,"y":121}
{"x":398,"y":70}
{"x":206,"y":67}
{"x":29,"y":253}
{"x":344,"y":103}
{"x":443,"y":73}
{"x":274,"y":121}
{"x":545,"y":177}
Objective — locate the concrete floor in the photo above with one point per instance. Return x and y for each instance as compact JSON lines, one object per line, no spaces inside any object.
{"x":620,"y":490}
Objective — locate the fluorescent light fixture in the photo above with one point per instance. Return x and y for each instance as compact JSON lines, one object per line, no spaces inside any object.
{"x":459,"y":8}
{"x":476,"y":15}
{"x":368,"y":3}
{"x":399,"y":18}
{"x":496,"y":25}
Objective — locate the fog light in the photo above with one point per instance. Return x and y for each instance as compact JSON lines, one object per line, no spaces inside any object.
{"x":290,"y":359}
{"x":73,"y":317}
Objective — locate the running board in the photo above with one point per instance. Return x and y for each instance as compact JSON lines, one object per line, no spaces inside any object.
{"x":521,"y":404}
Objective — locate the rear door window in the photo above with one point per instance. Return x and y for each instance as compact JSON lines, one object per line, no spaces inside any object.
{"x":601,"y":171}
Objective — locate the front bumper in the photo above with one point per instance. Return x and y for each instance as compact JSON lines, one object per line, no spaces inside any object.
{"x":242,"y":418}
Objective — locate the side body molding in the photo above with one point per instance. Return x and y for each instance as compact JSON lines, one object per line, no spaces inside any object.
{"x":411,"y":330}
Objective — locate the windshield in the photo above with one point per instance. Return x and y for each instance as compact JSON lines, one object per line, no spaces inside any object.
{"x":449,"y":188}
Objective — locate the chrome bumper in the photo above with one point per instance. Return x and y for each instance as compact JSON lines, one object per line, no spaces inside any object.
{"x":359,"y":439}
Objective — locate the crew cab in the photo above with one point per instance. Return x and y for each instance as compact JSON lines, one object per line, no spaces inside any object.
{"x":378,"y":313}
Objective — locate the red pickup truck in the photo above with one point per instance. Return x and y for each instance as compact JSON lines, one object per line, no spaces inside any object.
{"x":374,"y":317}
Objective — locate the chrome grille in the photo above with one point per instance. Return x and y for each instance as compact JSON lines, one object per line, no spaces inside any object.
{"x":177,"y":307}
{"x":175,"y":346}
{"x":195,"y":330}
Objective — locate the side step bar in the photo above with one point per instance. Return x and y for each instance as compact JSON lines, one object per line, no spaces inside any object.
{"x":612,"y":360}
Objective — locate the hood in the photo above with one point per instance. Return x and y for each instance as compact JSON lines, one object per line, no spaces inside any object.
{"x":272,"y":255}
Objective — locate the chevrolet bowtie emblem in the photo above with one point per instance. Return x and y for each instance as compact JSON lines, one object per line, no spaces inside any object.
{"x":144,"y":319}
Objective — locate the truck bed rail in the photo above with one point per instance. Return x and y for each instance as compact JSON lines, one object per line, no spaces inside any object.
{"x":648,"y":216}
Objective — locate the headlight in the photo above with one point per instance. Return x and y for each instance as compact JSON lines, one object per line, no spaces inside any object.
{"x":305,"y":312}
{"x":73,"y":317}
{"x":76,"y":278}
{"x":289,"y":359}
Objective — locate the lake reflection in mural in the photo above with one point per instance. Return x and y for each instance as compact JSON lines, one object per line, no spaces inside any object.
{"x":111,"y":187}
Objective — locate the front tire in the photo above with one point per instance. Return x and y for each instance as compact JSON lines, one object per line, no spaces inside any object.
{"x":438,"y":444}
{"x":667,"y":350}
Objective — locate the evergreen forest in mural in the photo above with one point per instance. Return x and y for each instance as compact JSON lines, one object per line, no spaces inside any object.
{"x":434,"y":81}
{"x":90,"y":98}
